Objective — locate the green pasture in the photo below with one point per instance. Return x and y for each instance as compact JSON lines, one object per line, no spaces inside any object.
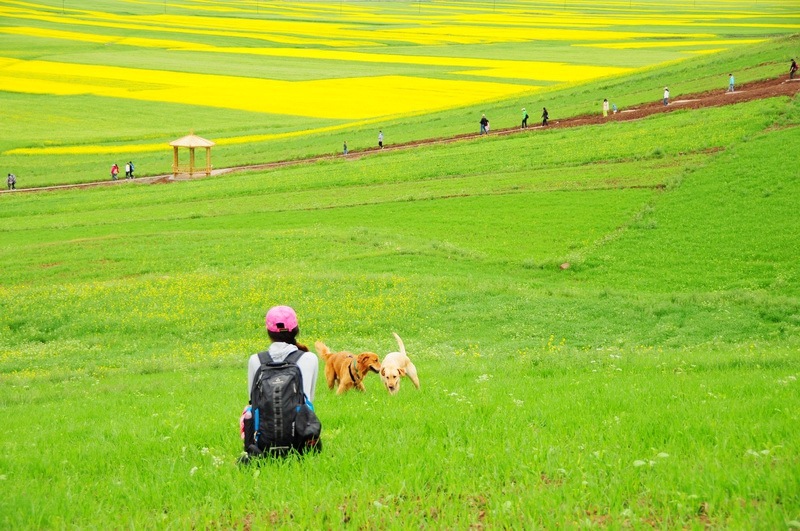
{"x":652,"y":384}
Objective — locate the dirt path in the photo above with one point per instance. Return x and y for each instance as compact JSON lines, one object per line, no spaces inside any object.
{"x":756,"y":90}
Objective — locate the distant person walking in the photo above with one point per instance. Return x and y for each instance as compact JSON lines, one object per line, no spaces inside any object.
{"x":615,"y":108}
{"x":730,"y":82}
{"x":127,"y":170}
{"x":792,"y":69}
{"x":344,"y":148}
{"x":545,"y":115}
{"x":130,"y":169}
{"x":114,"y":171}
{"x":524,"y":118}
{"x":605,"y":107}
{"x":380,"y":139}
{"x":666,"y":96}
{"x":12,"y":181}
{"x":484,"y":125}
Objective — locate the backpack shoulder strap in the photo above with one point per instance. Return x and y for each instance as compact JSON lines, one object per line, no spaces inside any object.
{"x":294,"y":356}
{"x":265,"y":358}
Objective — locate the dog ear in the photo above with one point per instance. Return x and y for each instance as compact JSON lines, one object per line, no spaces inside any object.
{"x":383,"y":371}
{"x":402,"y":372}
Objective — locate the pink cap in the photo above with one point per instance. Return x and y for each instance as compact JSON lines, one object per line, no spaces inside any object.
{"x":281,"y":319}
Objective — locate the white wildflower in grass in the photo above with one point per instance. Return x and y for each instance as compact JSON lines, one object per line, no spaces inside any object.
{"x":639,"y":462}
{"x":3,"y":477}
{"x":483,"y":378}
{"x":217,"y":461}
{"x":378,"y":504}
{"x":753,"y":452}
{"x":256,"y":473}
{"x":518,"y":402}
{"x":192,"y":471}
{"x":662,"y":455}
{"x":204,"y":451}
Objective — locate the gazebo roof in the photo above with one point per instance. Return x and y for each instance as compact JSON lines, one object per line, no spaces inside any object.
{"x":192,"y":141}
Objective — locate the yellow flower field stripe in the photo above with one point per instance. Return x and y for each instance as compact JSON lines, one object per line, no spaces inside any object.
{"x":581,"y":20}
{"x":668,"y":44}
{"x":353,"y":98}
{"x":531,"y":70}
{"x":442,"y":35}
{"x":350,"y":35}
{"x":163,"y":146}
{"x":278,"y":32}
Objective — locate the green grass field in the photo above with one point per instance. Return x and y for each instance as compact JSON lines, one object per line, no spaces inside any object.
{"x":652,"y":384}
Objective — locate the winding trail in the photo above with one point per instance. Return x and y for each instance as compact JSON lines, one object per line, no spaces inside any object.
{"x":755,"y":90}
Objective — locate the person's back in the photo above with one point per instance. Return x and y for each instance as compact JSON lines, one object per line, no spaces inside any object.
{"x":307,"y":363}
{"x":277,"y":426}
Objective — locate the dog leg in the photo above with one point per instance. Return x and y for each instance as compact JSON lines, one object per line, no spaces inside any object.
{"x":330,"y":377}
{"x":411,"y":372}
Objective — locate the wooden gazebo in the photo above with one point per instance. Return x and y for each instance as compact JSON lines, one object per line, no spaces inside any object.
{"x":192,"y":142}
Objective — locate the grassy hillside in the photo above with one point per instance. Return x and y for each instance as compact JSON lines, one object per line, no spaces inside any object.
{"x":653,"y":383}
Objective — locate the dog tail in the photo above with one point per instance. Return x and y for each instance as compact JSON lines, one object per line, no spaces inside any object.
{"x":323,"y":350}
{"x":400,"y":344}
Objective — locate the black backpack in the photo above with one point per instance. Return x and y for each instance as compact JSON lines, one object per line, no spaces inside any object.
{"x":283,"y":420}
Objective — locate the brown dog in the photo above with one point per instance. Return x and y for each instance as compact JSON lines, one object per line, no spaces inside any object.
{"x":395,"y":366}
{"x":347,"y":368}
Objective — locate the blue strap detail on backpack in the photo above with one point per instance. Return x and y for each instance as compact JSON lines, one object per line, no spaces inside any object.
{"x":255,"y":425}
{"x":308,"y":404}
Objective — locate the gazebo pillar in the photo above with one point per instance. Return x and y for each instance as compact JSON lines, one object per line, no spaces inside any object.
{"x":208,"y":161}
{"x":191,"y":161}
{"x":175,"y":161}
